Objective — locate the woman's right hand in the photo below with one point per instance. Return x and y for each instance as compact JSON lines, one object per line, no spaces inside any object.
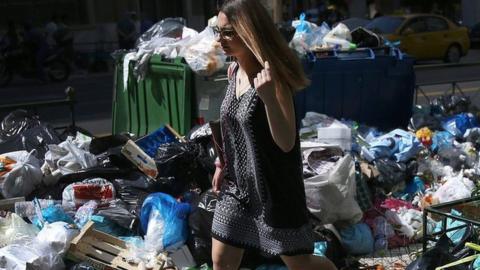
{"x":217,"y":179}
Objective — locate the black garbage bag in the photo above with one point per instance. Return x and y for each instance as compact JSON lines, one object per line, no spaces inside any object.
{"x":391,"y":173}
{"x":21,"y":130}
{"x":202,"y":135}
{"x":179,"y":168}
{"x":455,"y":104}
{"x":435,"y":257}
{"x":16,"y":123}
{"x":420,"y":120}
{"x":450,"y":105}
{"x":103,"y":144}
{"x":365,"y":38}
{"x":36,"y":138}
{"x":200,"y":223}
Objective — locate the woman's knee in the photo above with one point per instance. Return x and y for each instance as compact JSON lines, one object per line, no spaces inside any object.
{"x":225,"y":257}
{"x":304,"y":262}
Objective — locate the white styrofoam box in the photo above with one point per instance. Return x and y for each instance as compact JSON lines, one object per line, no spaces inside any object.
{"x":336,"y":134}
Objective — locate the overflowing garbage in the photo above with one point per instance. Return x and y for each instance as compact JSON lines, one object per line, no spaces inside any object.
{"x":80,"y":202}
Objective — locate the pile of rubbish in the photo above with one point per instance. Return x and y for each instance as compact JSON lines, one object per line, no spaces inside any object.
{"x":73,"y":201}
{"x":171,"y":39}
{"x":374,"y":186}
{"x":309,"y":37}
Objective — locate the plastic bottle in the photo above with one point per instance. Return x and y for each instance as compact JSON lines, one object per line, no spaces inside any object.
{"x":85,"y":212}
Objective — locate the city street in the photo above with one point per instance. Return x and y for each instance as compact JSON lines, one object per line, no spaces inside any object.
{"x":94,"y":92}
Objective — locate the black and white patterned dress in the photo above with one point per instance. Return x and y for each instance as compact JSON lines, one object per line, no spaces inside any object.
{"x":262,"y":200}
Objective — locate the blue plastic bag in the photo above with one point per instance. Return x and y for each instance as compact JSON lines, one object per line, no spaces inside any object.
{"x":458,"y":124}
{"x":51,"y":214}
{"x":357,"y":239}
{"x":303,"y":27}
{"x":164,"y":222}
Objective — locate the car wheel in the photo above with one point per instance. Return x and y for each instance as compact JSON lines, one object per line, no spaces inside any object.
{"x":453,"y":54}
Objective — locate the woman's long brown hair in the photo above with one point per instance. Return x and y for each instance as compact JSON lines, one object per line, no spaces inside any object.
{"x":255,"y":27}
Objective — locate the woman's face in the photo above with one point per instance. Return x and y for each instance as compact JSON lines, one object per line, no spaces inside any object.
{"x":225,"y":34}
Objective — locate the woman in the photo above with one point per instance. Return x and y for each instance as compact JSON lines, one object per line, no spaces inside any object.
{"x":262,"y":198}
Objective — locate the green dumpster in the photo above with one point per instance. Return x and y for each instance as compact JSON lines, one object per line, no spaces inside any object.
{"x":163,"y":97}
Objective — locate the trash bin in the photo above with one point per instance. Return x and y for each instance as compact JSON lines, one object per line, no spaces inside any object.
{"x":163,"y":97}
{"x":170,"y":94}
{"x":208,"y":95}
{"x":373,"y":87}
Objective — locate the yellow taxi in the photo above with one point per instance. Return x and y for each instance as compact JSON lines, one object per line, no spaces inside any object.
{"x":424,"y":36}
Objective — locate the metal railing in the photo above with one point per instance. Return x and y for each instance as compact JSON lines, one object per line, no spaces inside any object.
{"x":454,"y":84}
{"x":68,"y":101}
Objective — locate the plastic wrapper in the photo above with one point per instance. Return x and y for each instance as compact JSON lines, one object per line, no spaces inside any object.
{"x":204,"y":54}
{"x":24,"y":175}
{"x":164,"y":222}
{"x":97,"y":189}
{"x":315,"y":40}
{"x":14,"y":229}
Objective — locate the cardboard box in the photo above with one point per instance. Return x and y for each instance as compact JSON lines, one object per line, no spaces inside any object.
{"x":143,"y":161}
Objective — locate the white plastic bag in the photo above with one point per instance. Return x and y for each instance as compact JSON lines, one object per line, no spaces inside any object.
{"x":455,"y":188}
{"x":57,"y":236}
{"x":204,"y":54}
{"x":331,"y":196}
{"x":68,"y":157}
{"x":24,"y":176}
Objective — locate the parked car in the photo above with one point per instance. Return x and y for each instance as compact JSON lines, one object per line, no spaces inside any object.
{"x":475,"y":35}
{"x":355,"y":22}
{"x":424,"y":36}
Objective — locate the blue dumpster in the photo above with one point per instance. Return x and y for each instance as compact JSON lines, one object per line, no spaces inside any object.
{"x":372,"y":87}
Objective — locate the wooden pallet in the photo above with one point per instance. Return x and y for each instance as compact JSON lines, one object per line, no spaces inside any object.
{"x":102,"y":251}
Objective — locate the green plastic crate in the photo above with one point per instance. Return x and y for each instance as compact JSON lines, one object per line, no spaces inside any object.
{"x":163,"y":97}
